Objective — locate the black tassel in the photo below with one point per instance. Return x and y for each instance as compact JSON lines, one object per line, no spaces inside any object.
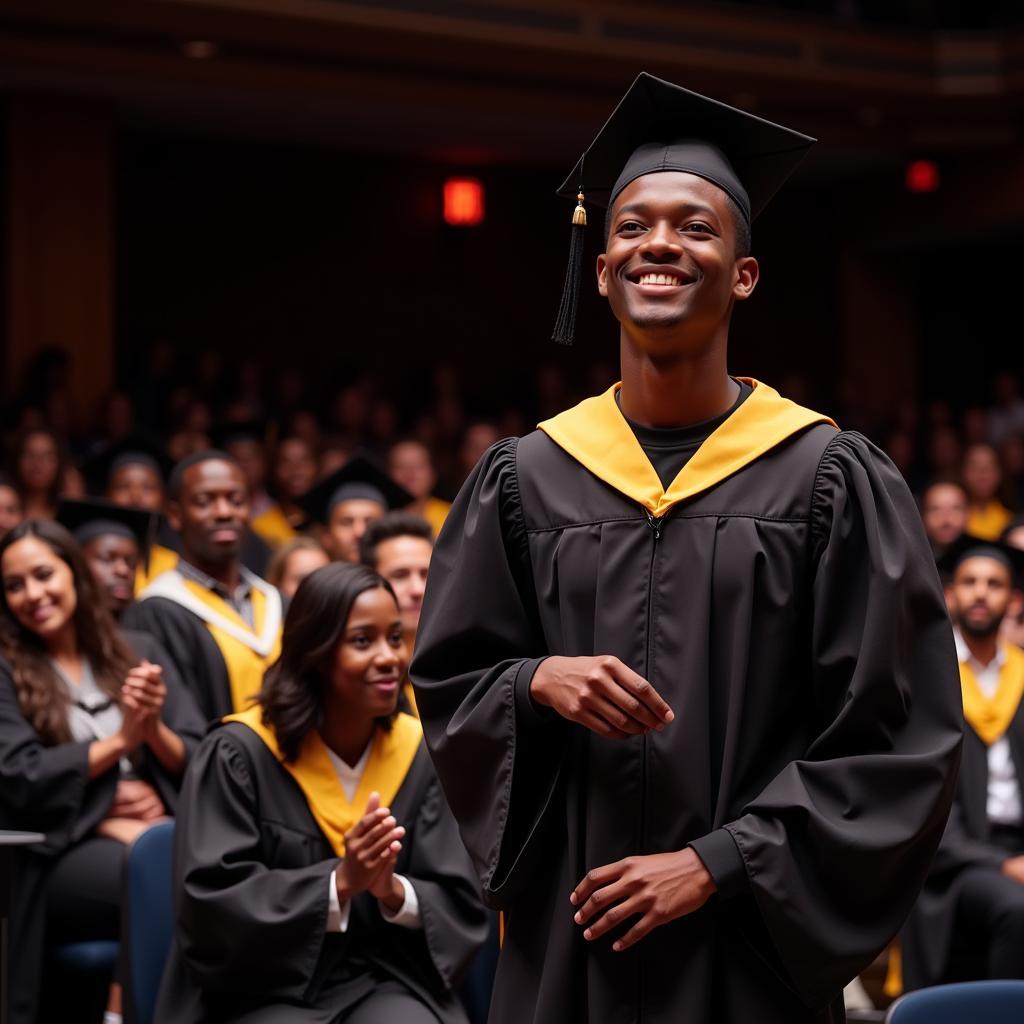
{"x":565,"y":323}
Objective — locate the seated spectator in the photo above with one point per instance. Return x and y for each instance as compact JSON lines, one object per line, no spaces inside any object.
{"x":1006,"y":416}
{"x":132,"y":474}
{"x":477,"y":439}
{"x":95,"y":730}
{"x":10,"y":505}
{"x":220,"y":622}
{"x":245,"y":440}
{"x":293,"y":562}
{"x":115,"y":542}
{"x":983,"y":479}
{"x":398,"y":547}
{"x":410,"y":464}
{"x":38,"y":468}
{"x":320,"y":873}
{"x":944,"y":512}
{"x":294,"y":473}
{"x":976,"y":885}
{"x":347,"y":501}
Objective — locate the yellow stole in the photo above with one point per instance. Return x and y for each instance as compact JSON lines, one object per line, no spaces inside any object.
{"x":273,"y":526}
{"x":990,"y":717}
{"x":245,"y":666}
{"x":161,"y":560}
{"x":596,"y":434}
{"x":390,"y":759}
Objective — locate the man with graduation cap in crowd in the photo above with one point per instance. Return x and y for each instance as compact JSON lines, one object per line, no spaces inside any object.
{"x":346,"y":501}
{"x":220,"y":622}
{"x":684,"y":664}
{"x":974,"y":897}
{"x":116,"y":542}
{"x":132,"y":473}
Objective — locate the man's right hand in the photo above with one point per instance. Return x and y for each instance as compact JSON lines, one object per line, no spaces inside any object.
{"x":601,"y":693}
{"x":1014,"y":868}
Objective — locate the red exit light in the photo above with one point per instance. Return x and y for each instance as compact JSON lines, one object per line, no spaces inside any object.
{"x":922,"y":176}
{"x":463,"y":202}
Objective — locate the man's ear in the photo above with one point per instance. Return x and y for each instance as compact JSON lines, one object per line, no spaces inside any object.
{"x":174,"y":515}
{"x":1016,"y":606}
{"x":747,"y":275}
{"x":602,"y":275}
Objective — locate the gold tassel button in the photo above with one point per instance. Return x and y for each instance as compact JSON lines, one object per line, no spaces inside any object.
{"x":579,"y":215}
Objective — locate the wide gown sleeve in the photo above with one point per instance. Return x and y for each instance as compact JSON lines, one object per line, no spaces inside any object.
{"x":477,"y":648}
{"x":46,"y":788}
{"x":454,"y":919}
{"x":838,"y":845}
{"x":242,"y":926}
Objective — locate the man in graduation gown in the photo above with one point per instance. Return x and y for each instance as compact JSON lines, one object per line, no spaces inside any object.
{"x":684,"y":655}
{"x":115,"y":541}
{"x":346,"y":501}
{"x":219,"y":622}
{"x":973,"y":902}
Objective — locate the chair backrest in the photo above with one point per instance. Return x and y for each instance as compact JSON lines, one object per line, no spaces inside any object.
{"x":970,"y":1002}
{"x":148,"y":918}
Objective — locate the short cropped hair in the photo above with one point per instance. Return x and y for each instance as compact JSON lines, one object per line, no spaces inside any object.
{"x":177,"y":478}
{"x":394,"y":524}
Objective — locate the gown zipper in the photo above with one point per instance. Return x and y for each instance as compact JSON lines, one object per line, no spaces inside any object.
{"x":655,"y":524}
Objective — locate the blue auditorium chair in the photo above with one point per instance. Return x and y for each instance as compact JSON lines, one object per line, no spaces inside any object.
{"x":147,"y":922}
{"x":970,"y":1002}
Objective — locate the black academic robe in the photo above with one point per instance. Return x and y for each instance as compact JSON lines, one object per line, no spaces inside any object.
{"x":791,"y":615}
{"x":192,"y":648}
{"x":47,"y":789}
{"x":252,"y":870}
{"x":927,"y":938}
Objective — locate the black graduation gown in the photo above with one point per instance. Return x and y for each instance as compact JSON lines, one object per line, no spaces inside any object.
{"x":792,"y":617}
{"x":191,"y":647}
{"x":47,"y":789}
{"x":252,"y":870}
{"x":927,"y":938}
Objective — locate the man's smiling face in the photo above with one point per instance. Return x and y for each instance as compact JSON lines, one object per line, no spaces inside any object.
{"x":671,"y":258}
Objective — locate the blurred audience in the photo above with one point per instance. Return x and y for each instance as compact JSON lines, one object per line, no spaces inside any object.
{"x":292,"y":562}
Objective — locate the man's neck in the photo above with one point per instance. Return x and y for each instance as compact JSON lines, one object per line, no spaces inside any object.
{"x":983,"y":648}
{"x":228,"y":574}
{"x":677,"y":391}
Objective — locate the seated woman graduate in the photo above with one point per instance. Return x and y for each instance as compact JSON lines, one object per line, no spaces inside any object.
{"x":319,"y":873}
{"x":94,"y":737}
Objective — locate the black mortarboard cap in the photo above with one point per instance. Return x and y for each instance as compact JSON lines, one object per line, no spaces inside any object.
{"x":134,"y":449}
{"x":88,"y":519}
{"x":658,"y":126}
{"x":360,"y":477}
{"x":967,"y":546}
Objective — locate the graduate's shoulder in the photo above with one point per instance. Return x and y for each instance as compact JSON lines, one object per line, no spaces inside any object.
{"x":150,"y":610}
{"x":849,"y":453}
{"x":143,"y":644}
{"x":239,"y":748}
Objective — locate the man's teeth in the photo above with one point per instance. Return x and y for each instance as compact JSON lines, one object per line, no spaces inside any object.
{"x":659,"y":279}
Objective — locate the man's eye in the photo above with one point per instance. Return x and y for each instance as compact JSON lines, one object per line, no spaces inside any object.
{"x":630,"y":227}
{"x":699,"y":227}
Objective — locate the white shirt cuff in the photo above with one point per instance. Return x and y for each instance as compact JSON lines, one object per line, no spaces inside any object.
{"x":408,"y":914}
{"x":337,"y":915}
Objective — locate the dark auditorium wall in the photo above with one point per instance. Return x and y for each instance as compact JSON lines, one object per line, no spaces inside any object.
{"x":340,"y":260}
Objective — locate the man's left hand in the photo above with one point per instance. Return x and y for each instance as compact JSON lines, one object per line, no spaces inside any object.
{"x":659,"y":888}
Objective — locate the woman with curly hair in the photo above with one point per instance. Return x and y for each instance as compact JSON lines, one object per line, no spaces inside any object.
{"x":94,"y":737}
{"x":319,"y":872}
